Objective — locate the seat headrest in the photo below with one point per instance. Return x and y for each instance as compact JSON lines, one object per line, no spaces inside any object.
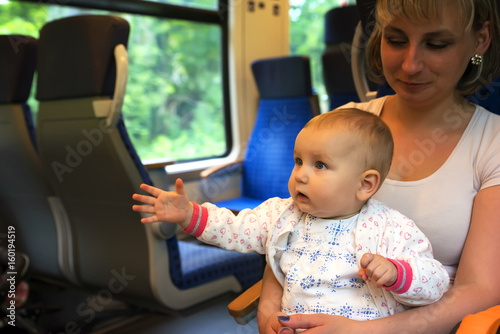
{"x":340,"y":24}
{"x":17,"y":66}
{"x":366,"y":10}
{"x":283,"y":77}
{"x":75,"y":57}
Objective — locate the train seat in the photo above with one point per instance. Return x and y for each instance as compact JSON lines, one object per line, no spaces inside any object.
{"x":488,"y":96}
{"x":30,"y":213}
{"x":365,"y":89}
{"x":340,"y":24}
{"x":93,"y":167}
{"x":286,"y":104}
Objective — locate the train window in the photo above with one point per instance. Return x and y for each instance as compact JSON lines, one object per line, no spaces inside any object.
{"x":306,"y":36}
{"x":174,"y":107}
{"x":210,"y":4}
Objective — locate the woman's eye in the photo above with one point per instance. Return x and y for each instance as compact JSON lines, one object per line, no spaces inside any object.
{"x":437,"y":45}
{"x":395,"y":41}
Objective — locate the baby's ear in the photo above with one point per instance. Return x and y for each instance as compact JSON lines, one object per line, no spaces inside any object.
{"x":370,"y":181}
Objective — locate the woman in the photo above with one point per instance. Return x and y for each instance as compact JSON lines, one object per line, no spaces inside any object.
{"x":445,"y":173}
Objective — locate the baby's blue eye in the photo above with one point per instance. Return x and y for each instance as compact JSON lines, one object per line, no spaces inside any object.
{"x":298,"y":161}
{"x":320,"y":165}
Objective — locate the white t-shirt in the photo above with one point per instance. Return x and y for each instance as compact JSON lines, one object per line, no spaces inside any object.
{"x":441,"y":204}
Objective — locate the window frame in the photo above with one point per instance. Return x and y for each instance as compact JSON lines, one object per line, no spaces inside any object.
{"x":219,"y":16}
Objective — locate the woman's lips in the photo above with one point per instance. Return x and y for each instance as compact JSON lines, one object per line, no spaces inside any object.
{"x":413,"y":84}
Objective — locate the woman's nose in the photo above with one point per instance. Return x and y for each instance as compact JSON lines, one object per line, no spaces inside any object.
{"x":413,"y":61}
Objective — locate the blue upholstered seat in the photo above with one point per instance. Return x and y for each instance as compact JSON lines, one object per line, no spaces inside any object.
{"x":340,"y":24}
{"x":286,"y":104}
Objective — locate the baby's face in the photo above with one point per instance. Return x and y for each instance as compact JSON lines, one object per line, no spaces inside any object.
{"x":327,"y":173}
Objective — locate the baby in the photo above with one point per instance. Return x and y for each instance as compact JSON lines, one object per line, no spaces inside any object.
{"x":333,"y":248}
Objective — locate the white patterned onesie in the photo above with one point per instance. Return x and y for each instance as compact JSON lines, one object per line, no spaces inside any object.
{"x":317,"y":260}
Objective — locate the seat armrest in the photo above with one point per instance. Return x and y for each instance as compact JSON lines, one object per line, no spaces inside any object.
{"x":157,"y":173}
{"x":244,"y":307}
{"x":158,"y":165}
{"x":222,"y":181}
{"x":484,"y":322}
{"x":230,"y":167}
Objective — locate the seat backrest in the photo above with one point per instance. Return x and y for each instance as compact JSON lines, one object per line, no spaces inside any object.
{"x":364,"y":89}
{"x":286,"y":104}
{"x":85,"y":150}
{"x":366,"y":10}
{"x":340,"y":24}
{"x":28,"y":206}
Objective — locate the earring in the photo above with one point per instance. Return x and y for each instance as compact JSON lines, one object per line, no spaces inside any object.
{"x":477,"y":59}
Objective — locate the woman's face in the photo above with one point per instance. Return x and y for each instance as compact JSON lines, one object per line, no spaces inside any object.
{"x":424,"y":62}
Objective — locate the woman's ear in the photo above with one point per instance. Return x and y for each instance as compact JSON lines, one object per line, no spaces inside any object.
{"x":370,"y":181}
{"x":483,"y":38}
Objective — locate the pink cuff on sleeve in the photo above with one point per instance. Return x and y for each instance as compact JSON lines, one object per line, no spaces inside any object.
{"x":405,"y":276}
{"x":198,"y":220}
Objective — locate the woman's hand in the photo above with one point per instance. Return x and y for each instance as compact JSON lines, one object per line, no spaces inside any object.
{"x":270,"y":305}
{"x":273,"y":325}
{"x":322,"y":323}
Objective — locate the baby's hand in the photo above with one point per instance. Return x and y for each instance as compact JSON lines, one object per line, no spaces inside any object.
{"x":379,"y":269}
{"x":165,"y":206}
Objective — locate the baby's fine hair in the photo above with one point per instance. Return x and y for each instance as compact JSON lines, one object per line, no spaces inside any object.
{"x":375,"y":136}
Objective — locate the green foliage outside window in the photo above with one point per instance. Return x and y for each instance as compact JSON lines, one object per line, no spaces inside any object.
{"x":173,"y":107}
{"x":306,"y":36}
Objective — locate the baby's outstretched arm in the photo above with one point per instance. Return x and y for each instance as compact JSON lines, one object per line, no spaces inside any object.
{"x":378,"y":269}
{"x":165,"y":206}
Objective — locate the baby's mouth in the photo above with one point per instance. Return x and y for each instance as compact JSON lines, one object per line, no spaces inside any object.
{"x":302,"y":196}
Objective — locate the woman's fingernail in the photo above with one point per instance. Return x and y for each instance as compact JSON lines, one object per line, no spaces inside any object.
{"x":283,"y":318}
{"x":285,"y":330}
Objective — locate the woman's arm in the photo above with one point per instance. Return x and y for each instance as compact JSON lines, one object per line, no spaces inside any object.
{"x":475,"y":287}
{"x":270,"y":304}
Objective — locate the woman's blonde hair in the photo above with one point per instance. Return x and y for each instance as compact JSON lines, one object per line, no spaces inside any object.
{"x":474,"y":14}
{"x":375,"y":136}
